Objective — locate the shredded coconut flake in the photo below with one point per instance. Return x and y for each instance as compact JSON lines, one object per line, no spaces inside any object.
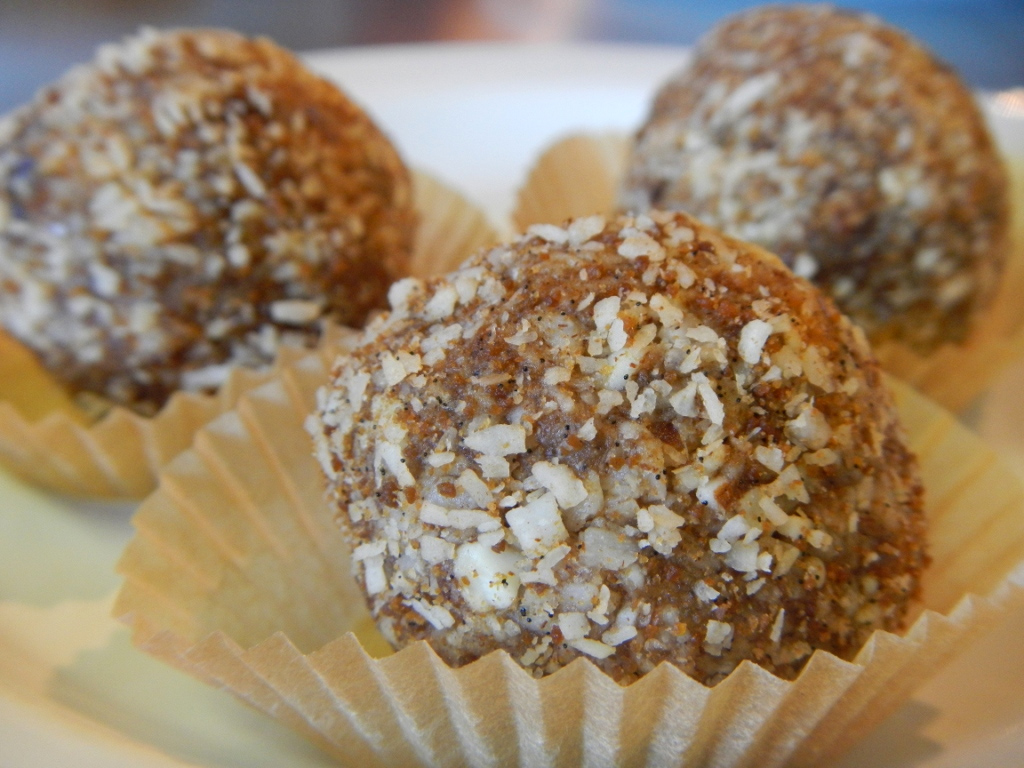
{"x":776,"y":634}
{"x":641,"y":244}
{"x":593,"y":648}
{"x":549,"y":233}
{"x":488,"y":578}
{"x":583,"y":229}
{"x":772,"y":458}
{"x":717,"y":637}
{"x":435,"y":550}
{"x":556,"y":375}
{"x":537,"y":525}
{"x":438,"y":616}
{"x":499,"y":440}
{"x":442,"y":303}
{"x":619,"y":635}
{"x":705,"y":593}
{"x":561,"y":481}
{"x":588,"y":431}
{"x":574,"y":625}
{"x":713,"y":406}
{"x":605,"y":311}
{"x":752,"y":340}
{"x":440,"y":459}
{"x":392,"y":369}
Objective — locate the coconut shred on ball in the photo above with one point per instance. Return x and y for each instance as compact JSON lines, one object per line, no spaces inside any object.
{"x":632,"y":440}
{"x":186,"y":203}
{"x":843,"y":146}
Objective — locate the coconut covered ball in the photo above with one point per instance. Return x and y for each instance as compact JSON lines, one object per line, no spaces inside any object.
{"x":634,"y":441}
{"x":188,"y":202}
{"x":847,"y":149}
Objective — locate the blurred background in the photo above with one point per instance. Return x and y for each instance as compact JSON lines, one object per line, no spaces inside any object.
{"x":39,"y":39}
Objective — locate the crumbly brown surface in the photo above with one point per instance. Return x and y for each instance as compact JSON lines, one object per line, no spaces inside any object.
{"x":844,"y":147}
{"x":635,"y":440}
{"x":185,"y":203}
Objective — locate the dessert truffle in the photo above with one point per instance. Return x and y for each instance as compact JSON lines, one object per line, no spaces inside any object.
{"x":634,"y":440}
{"x":185,"y":203}
{"x":844,"y":147}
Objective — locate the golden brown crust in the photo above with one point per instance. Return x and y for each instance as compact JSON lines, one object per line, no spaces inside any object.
{"x":635,"y":440}
{"x":186,"y":202}
{"x":846,"y":148}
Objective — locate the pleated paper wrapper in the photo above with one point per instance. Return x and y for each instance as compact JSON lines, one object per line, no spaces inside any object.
{"x":579,"y":175}
{"x":238,"y":575}
{"x":46,"y":439}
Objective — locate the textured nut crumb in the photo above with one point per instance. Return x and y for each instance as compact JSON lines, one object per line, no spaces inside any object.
{"x":672,"y":496}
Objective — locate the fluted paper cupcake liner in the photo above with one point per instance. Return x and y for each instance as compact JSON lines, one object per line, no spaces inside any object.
{"x":450,"y":229}
{"x":238,"y":575}
{"x":579,"y":175}
{"x":46,"y":439}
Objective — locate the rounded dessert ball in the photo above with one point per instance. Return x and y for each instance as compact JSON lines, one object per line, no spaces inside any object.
{"x":847,"y":149}
{"x":632,"y":440}
{"x":187,"y":202}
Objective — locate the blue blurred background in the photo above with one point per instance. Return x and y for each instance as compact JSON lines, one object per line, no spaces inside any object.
{"x":39,"y":39}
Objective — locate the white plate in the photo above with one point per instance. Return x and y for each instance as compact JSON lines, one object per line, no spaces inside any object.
{"x":74,"y":691}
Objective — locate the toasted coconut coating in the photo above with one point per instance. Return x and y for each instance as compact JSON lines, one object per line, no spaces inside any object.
{"x":187,"y":202}
{"x":846,"y":148}
{"x":635,"y":440}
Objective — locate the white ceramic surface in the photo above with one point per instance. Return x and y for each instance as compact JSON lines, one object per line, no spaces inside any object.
{"x":74,"y":691}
